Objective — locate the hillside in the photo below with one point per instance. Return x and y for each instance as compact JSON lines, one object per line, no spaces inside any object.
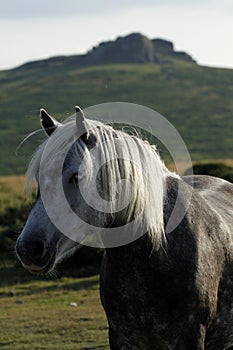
{"x":197,"y":100}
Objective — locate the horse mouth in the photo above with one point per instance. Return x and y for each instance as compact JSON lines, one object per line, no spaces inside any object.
{"x":41,"y":270}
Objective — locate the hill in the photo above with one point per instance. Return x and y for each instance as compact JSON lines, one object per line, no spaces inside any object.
{"x":197,"y":100}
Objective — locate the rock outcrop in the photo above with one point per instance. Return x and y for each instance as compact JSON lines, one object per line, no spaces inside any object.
{"x":133,"y":48}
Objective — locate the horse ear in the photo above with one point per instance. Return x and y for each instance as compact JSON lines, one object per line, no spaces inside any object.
{"x":48,"y":123}
{"x":85,"y":135}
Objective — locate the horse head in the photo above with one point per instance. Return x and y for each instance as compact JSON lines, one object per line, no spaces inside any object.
{"x":41,"y":245}
{"x":94,"y":187}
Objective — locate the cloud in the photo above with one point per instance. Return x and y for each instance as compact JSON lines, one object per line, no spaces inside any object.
{"x":30,"y":9}
{"x":34,"y":9}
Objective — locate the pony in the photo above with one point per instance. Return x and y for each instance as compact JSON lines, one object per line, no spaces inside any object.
{"x":160,"y":290}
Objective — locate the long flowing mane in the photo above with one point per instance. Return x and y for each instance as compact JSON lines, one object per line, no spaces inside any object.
{"x":124,"y":157}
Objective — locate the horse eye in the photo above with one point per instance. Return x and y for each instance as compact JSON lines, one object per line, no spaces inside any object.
{"x":74,"y":179}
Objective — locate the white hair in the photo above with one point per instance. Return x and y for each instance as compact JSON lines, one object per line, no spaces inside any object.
{"x":124,"y":157}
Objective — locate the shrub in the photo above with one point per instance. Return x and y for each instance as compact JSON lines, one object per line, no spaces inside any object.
{"x":214,"y":169}
{"x":13,"y":215}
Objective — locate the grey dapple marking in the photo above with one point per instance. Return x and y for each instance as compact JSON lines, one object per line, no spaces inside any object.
{"x":158,"y":294}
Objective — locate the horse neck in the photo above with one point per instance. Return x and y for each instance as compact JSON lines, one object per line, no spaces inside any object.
{"x":139,"y":249}
{"x":144,"y":247}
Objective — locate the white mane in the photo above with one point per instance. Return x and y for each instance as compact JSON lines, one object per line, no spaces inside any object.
{"x":138,"y":162}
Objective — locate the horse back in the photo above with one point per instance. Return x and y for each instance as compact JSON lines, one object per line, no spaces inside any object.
{"x":217,"y":193}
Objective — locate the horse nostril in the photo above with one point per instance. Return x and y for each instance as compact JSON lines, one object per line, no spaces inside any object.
{"x":31,"y":252}
{"x":26,"y":249}
{"x":37,"y":249}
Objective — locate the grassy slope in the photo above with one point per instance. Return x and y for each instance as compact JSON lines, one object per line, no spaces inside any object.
{"x":197,"y":100}
{"x":39,"y":316}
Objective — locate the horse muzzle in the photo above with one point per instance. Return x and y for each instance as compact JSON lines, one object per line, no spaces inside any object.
{"x":34,"y":256}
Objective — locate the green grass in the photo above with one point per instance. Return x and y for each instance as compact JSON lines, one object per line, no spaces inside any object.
{"x":39,"y":315}
{"x":197,"y":100}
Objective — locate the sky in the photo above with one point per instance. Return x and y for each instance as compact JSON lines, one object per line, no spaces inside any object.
{"x":32,"y":29}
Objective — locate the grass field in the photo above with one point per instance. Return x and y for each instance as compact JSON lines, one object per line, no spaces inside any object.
{"x":39,"y":315}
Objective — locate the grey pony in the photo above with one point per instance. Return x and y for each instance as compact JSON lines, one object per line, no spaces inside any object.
{"x":175,"y":296}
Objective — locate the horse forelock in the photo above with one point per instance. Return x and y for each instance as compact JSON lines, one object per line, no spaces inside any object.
{"x":124,"y":157}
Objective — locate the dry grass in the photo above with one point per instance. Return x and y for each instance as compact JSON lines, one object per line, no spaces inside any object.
{"x":11,"y":185}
